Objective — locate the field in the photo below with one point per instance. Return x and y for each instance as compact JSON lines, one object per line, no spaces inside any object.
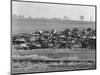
{"x":29,"y":26}
{"x":43,"y":60}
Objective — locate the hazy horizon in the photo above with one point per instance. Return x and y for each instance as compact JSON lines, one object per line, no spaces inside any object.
{"x":43,"y":10}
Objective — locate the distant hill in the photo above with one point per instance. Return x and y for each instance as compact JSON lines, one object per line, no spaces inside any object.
{"x":31,"y":25}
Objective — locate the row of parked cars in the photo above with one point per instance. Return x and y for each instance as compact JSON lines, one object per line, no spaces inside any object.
{"x":67,"y":38}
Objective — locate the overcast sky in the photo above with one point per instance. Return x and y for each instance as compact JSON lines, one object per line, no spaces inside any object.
{"x":40,"y":10}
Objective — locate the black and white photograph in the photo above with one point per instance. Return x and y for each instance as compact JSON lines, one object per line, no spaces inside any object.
{"x":52,"y":37}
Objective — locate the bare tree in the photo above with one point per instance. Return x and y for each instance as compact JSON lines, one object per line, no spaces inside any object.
{"x":82,"y":18}
{"x":66,"y":18}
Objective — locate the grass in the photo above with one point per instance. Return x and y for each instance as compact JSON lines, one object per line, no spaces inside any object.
{"x":63,"y":54}
{"x":32,"y":26}
{"x":86,"y":54}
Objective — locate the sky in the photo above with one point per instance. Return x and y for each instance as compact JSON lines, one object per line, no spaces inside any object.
{"x":43,"y":10}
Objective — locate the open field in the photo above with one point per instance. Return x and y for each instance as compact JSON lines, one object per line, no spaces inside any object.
{"x":82,"y":54}
{"x":19,"y":26}
{"x":43,"y":60}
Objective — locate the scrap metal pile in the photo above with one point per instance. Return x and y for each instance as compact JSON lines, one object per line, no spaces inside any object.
{"x":67,"y":38}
